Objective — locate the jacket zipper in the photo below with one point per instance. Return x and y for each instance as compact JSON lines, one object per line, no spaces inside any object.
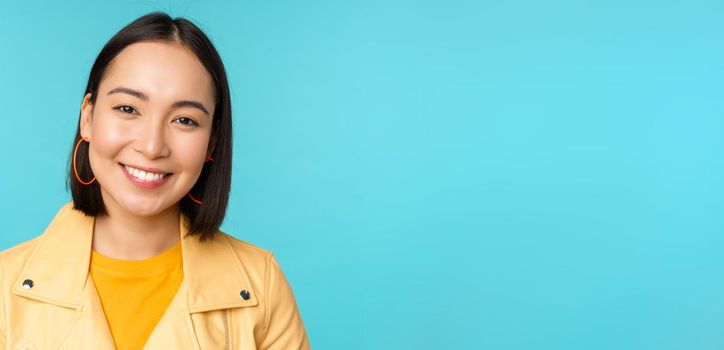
{"x":226,"y":330}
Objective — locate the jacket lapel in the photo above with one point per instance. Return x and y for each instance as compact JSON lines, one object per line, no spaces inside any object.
{"x":213,"y":278}
{"x":59,"y":264}
{"x":214,"y":274}
{"x":174,"y":330}
{"x":91,"y":330}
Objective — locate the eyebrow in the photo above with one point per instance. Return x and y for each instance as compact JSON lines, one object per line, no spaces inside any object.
{"x":177,"y":104}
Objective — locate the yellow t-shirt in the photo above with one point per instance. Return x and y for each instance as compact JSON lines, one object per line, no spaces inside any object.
{"x":136,"y":293}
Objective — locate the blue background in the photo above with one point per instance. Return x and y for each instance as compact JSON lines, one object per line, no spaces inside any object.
{"x":436,"y":174}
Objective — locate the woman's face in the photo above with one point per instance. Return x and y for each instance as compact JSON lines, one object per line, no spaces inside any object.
{"x":149,"y":127}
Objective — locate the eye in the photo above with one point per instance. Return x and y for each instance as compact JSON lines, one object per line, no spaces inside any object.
{"x":187,"y":121}
{"x":125,"y":109}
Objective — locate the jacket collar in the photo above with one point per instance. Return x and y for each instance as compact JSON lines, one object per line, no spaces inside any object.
{"x":214,"y":275}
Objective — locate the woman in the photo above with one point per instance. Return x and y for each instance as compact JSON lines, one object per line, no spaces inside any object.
{"x":137,"y":260}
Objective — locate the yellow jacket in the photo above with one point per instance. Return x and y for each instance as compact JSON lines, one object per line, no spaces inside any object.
{"x":233,"y":296}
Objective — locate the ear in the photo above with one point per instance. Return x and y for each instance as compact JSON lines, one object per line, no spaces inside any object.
{"x":86,"y":117}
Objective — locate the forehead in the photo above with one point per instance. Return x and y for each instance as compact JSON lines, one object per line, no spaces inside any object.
{"x":163,"y":71}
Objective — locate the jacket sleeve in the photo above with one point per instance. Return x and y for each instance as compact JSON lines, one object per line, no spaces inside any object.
{"x":3,"y":326}
{"x":284,"y":325}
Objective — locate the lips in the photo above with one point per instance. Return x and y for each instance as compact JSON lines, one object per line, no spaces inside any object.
{"x":145,"y":177}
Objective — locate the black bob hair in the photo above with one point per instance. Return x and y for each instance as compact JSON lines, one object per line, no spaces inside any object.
{"x":213,"y":186}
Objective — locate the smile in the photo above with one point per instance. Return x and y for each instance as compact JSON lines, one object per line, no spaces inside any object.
{"x":145,"y":178}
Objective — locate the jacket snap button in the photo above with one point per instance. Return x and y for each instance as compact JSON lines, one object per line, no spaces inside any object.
{"x":245,"y":294}
{"x":27,"y":284}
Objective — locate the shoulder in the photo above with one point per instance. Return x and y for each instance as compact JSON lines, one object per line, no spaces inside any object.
{"x":248,"y":252}
{"x":13,"y":259}
{"x":255,"y":260}
{"x":243,"y":247}
{"x":260,"y":264}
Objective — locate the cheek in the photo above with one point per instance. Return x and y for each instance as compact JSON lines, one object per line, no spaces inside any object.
{"x":107,"y":138}
{"x":191,"y":153}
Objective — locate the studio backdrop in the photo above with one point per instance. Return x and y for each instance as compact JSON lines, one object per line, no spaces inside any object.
{"x":436,"y":174}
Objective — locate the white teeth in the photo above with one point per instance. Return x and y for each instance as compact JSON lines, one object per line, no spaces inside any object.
{"x":142,"y":175}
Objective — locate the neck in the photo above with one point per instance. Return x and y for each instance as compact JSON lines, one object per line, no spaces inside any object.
{"x":122,"y":235}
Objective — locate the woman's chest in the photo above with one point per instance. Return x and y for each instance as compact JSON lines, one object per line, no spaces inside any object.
{"x":38,"y":325}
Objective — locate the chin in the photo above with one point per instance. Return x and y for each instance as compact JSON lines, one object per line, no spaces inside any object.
{"x":138,"y":204}
{"x":145,"y":206}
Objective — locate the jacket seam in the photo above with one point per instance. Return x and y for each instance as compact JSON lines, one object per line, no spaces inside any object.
{"x":190,"y":330}
{"x":3,"y":328}
{"x":217,"y":307}
{"x":267,"y":309}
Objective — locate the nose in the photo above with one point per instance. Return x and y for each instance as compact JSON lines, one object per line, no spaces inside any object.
{"x":151,"y":141}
